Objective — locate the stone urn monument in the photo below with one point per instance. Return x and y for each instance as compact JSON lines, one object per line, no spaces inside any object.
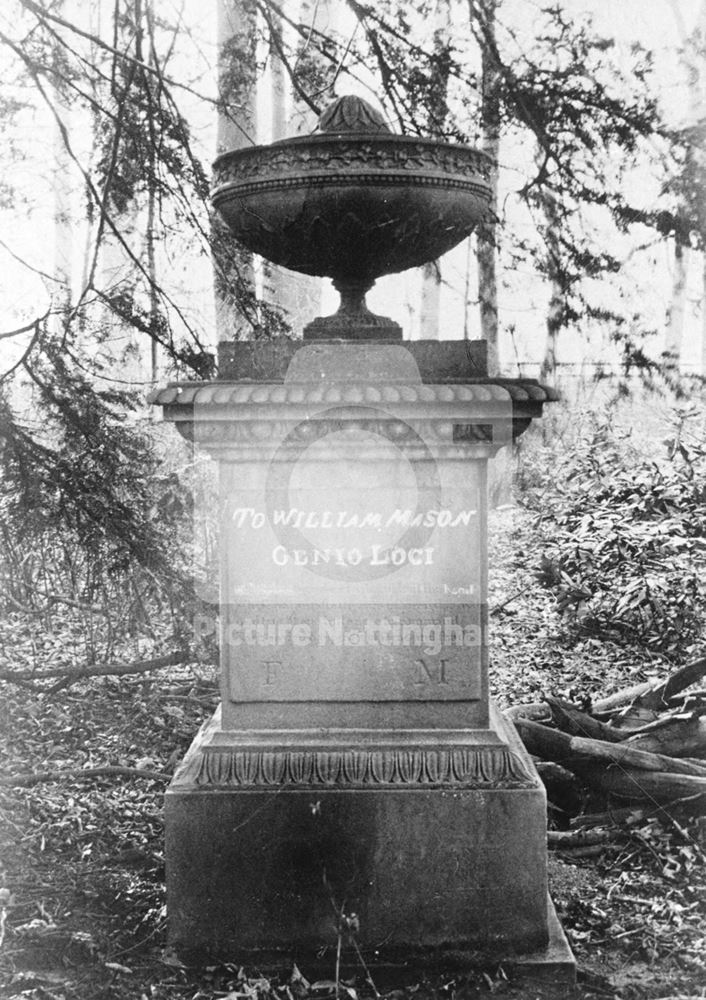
{"x":357,"y":789}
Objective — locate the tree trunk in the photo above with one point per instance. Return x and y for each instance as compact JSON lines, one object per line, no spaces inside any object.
{"x":99,"y":669}
{"x":563,"y":788}
{"x":621,"y":699}
{"x":677,"y":681}
{"x":703,"y":318}
{"x":557,"y":298}
{"x":63,"y":229}
{"x":298,"y":296}
{"x":677,"y":307}
{"x":554,"y":324}
{"x":431,"y":301}
{"x":654,"y":694}
{"x":536,"y":711}
{"x":237,"y":117}
{"x":485,"y":234}
{"x":109,"y":253}
{"x":540,"y":741}
{"x":234,"y":271}
{"x":579,"y":838}
{"x":697,"y":96}
{"x":150,"y":237}
{"x":429,"y":315}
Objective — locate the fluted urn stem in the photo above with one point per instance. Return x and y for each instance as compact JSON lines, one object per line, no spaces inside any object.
{"x":353,"y":297}
{"x":353,"y":320}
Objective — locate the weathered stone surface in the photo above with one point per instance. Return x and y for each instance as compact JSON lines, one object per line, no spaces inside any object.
{"x":437,"y":361}
{"x":352,"y":552}
{"x":309,"y":653}
{"x":265,"y":400}
{"x":350,"y":206}
{"x":353,"y":202}
{"x":456,"y":869}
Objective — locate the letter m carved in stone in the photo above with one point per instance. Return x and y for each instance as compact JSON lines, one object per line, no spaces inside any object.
{"x":426,"y":673}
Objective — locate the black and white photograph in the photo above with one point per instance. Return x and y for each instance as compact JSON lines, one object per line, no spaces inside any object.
{"x":353,"y":500}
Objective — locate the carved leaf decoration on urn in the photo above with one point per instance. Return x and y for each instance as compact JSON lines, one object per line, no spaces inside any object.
{"x":352,"y":114}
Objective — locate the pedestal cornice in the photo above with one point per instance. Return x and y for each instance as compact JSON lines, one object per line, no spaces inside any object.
{"x":463,"y":420}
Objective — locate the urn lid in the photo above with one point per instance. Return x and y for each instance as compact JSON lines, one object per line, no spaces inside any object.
{"x":352,"y":114}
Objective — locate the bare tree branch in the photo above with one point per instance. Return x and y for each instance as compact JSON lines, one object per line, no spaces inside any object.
{"x":72,"y":773}
{"x":99,"y":670}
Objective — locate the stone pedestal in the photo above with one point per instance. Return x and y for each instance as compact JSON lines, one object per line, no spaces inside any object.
{"x":356,"y":780}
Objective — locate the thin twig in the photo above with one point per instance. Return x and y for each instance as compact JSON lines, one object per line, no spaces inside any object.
{"x":98,"y":670}
{"x":27,"y":780}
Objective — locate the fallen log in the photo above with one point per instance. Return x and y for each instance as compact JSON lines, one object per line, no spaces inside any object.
{"x":620,"y":699}
{"x":573,"y":721}
{"x":631,"y":783}
{"x":653,"y":694}
{"x":698,"y":697}
{"x":591,"y":851}
{"x":611,"y":817}
{"x":639,"y":785}
{"x":97,"y":669}
{"x":580,"y":838}
{"x":563,"y":788}
{"x":630,"y":757}
{"x":633,"y":717}
{"x":536,"y":711}
{"x":675,"y":736}
{"x":677,"y":681}
{"x":541,"y":741}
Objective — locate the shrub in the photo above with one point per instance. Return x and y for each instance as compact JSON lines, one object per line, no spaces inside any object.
{"x":624,"y":536}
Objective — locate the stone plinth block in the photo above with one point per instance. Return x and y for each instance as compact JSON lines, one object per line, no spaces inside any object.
{"x":439,"y":854}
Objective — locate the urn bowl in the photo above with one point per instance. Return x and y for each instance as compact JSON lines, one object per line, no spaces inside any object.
{"x":352,"y":202}
{"x":352,"y":206}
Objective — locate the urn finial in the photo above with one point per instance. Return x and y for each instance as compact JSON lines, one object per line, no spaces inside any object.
{"x":352,"y":114}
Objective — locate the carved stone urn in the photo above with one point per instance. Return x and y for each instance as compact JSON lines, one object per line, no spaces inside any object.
{"x":352,"y":202}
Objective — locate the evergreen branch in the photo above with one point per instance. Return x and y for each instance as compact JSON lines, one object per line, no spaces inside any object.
{"x":103,"y":201}
{"x":28,"y":350}
{"x":366,"y":11}
{"x":244,"y":306}
{"x":95,"y":194}
{"x":26,"y":328}
{"x":309,"y":34}
{"x":43,"y":16}
{"x":276,"y":40}
{"x":30,"y":267}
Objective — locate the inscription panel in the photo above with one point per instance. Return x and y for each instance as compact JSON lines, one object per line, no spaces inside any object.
{"x":354,"y":565}
{"x":393,"y":546}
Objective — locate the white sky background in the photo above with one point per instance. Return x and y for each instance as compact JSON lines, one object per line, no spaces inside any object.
{"x":27,"y":230}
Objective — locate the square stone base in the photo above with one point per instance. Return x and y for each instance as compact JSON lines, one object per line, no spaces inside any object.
{"x":448,"y":873}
